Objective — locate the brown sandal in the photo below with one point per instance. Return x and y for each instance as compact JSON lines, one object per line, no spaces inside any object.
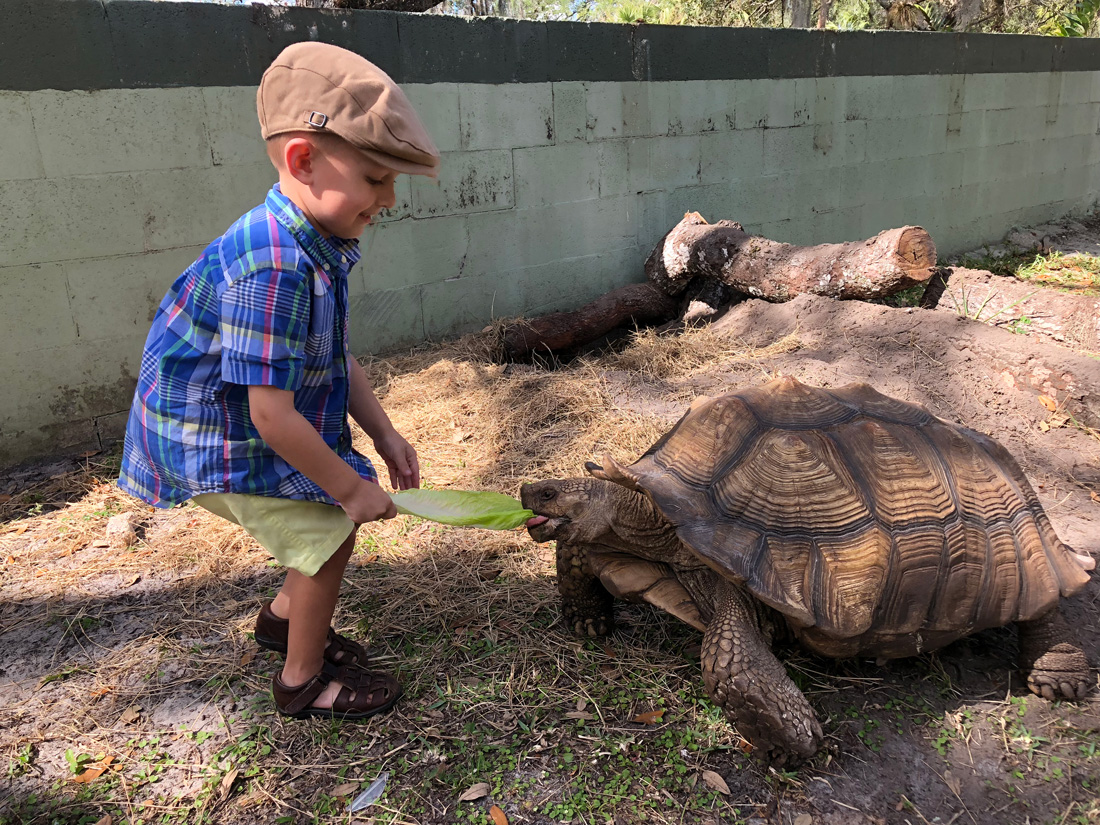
{"x":271,"y":633}
{"x":364,"y":693}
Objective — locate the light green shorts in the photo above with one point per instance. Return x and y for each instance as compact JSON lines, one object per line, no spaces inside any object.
{"x":301,"y":535}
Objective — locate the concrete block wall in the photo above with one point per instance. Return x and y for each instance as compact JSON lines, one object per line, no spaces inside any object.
{"x":568,"y":150}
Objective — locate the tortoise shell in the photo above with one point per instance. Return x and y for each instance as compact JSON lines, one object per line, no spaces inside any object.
{"x":857,"y":516}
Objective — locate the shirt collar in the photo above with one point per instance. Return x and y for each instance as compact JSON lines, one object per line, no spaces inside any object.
{"x":339,"y":253}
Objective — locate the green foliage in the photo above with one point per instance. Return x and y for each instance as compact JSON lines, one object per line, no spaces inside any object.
{"x":1075,"y":21}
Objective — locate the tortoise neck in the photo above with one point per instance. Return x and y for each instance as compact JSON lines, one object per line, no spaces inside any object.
{"x":638,"y":526}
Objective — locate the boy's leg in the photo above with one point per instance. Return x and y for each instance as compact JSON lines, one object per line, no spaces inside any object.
{"x":309,"y":602}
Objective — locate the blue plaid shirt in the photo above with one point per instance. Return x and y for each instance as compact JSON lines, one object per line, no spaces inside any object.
{"x":266,"y":304}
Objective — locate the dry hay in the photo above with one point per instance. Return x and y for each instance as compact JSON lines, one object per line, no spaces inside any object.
{"x":140,"y":640}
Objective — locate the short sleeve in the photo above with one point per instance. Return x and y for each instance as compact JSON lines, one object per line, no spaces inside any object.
{"x":264,"y":324}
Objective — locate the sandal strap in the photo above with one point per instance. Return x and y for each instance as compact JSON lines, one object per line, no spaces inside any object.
{"x":341,"y":650}
{"x":295,"y":699}
{"x":364,"y":690}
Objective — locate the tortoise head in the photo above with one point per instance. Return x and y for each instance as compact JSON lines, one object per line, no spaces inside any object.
{"x":570,"y":509}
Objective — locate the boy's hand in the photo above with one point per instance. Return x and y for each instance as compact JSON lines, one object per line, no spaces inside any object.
{"x":368,"y":502}
{"x":400,"y":458}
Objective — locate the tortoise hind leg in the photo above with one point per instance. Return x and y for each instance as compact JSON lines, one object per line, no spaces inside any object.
{"x":745,"y":679}
{"x":586,"y":605}
{"x":1053,"y":660}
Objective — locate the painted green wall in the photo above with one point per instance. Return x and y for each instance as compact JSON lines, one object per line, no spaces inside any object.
{"x":553,"y":189}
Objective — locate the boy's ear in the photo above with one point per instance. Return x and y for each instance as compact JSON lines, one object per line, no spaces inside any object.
{"x":299,"y":155}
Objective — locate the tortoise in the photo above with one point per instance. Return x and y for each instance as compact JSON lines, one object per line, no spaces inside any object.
{"x":864,"y":524}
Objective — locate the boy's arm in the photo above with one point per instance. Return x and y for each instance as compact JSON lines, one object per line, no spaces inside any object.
{"x":301,"y":446}
{"x":399,"y":455}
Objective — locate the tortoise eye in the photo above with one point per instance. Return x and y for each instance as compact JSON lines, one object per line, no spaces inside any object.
{"x":548,"y":494}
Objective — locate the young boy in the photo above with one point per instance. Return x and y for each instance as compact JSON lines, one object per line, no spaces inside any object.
{"x":246,"y":380}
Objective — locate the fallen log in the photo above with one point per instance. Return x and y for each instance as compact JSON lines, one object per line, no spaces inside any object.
{"x":891,"y":261}
{"x":639,"y":304}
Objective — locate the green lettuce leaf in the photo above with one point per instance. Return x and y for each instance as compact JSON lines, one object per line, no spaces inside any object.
{"x":463,"y":508}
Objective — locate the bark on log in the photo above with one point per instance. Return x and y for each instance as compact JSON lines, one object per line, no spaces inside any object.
{"x":562,"y":331}
{"x":887,"y":263}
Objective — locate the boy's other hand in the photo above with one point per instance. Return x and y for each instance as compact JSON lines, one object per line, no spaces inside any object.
{"x":401,"y":461}
{"x":368,"y":502}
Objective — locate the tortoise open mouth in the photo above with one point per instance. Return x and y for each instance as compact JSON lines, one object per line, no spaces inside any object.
{"x":543,"y":528}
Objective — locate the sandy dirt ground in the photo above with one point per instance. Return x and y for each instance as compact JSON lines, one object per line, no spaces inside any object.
{"x":143,"y":655}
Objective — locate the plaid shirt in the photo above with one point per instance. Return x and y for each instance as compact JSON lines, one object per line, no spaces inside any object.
{"x":266,"y":304}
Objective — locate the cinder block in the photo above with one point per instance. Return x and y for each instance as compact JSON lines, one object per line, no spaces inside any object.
{"x":699,"y":106}
{"x":943,"y":172}
{"x":1032,"y":124}
{"x":871,"y":98}
{"x":604,"y":110}
{"x":20,"y":159}
{"x":232,"y":125}
{"x":184,"y":207}
{"x":438,"y":107}
{"x":790,"y":150}
{"x":412,"y":252}
{"x":506,"y":117}
{"x":646,"y":109}
{"x":570,"y":112}
{"x":120,"y":130}
{"x":614,"y":168}
{"x":60,"y":219}
{"x":461,"y":305}
{"x":114,"y":297}
{"x":84,"y":382}
{"x":890,"y":139}
{"x":660,"y":211}
{"x":468,"y":182}
{"x":987,"y":91}
{"x":1076,"y":88}
{"x":928,"y":94}
{"x":385,"y":320}
{"x":789,"y":101}
{"x":35,"y":313}
{"x":798,"y":231}
{"x":663,"y":163}
{"x":730,"y":156}
{"x":501,"y":241}
{"x":752,"y":103}
{"x":838,"y":226}
{"x":557,"y":174}
{"x":828,"y":100}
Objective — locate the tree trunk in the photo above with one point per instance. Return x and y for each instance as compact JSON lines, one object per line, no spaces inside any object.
{"x":891,"y":261}
{"x":375,"y":5}
{"x":800,"y":13}
{"x":823,"y":14}
{"x":563,"y":331}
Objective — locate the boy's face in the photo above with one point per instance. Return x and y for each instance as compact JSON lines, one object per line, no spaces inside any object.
{"x":342,"y":188}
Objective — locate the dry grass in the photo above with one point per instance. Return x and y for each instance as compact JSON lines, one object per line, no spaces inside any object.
{"x":138,"y":653}
{"x":144,"y":655}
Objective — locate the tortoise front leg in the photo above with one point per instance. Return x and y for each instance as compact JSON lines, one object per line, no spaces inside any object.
{"x":586,"y":605}
{"x":1052,"y":658}
{"x":745,"y":679}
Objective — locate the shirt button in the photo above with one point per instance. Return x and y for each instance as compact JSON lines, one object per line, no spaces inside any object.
{"x":343,"y":259}
{"x":324,"y":267}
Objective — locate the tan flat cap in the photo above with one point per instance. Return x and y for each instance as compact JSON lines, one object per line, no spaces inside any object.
{"x":318,"y":86}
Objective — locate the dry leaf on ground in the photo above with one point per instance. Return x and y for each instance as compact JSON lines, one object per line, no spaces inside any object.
{"x":651,"y":717}
{"x":227,"y":783}
{"x":1048,"y":402}
{"x":95,"y":771}
{"x":344,"y":789}
{"x":803,"y":819}
{"x":475,"y":792}
{"x":715,"y":781}
{"x":499,"y":817}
